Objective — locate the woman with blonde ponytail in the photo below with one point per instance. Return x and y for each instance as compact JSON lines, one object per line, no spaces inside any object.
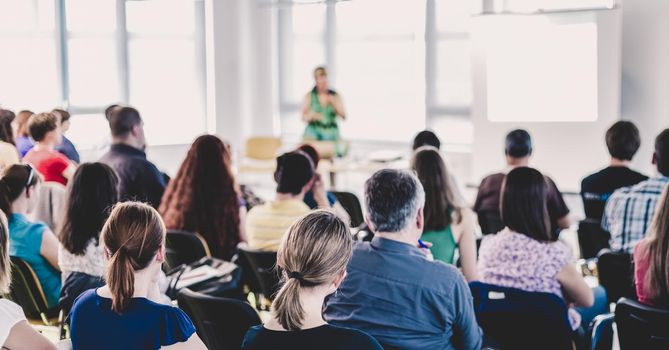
{"x":126,"y":313}
{"x":313,"y":256}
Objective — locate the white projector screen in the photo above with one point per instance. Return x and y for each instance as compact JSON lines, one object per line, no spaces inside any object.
{"x":541,"y":69}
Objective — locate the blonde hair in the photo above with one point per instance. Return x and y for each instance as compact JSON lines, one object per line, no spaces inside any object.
{"x":657,"y":277}
{"x":5,"y":265}
{"x":132,"y":235}
{"x":313,"y":252}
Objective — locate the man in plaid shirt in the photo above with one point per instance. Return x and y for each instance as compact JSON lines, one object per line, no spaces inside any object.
{"x":629,"y":211}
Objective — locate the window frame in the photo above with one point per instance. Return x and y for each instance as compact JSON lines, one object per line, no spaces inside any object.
{"x":122,"y":37}
{"x":433,"y":37}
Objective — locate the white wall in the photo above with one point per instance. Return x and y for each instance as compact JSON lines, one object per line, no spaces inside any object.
{"x":565,"y":151}
{"x":645,"y":72}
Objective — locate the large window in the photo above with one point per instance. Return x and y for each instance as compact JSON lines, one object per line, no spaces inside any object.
{"x":84,"y":55}
{"x":400,"y":65}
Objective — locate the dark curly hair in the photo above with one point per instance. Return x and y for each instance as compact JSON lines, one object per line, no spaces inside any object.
{"x":204,"y":197}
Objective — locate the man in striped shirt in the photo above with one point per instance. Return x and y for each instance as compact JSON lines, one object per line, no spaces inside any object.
{"x":629,"y":211}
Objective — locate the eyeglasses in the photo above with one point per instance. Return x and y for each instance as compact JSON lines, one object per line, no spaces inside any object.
{"x":31,"y":175}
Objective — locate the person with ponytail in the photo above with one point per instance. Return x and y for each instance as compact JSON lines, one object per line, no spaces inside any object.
{"x":31,"y":241}
{"x":15,"y":332}
{"x":313,"y":256}
{"x":126,"y":313}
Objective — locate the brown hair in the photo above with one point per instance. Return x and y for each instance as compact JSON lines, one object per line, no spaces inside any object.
{"x":22,"y":122}
{"x":313,"y":252}
{"x":5,"y":265}
{"x":40,"y":124}
{"x":320,"y":71}
{"x":63,"y":114}
{"x":523,"y":204}
{"x":204,"y":198}
{"x":440,"y":207}
{"x":132,"y":236}
{"x":657,"y":277}
{"x":6,"y":119}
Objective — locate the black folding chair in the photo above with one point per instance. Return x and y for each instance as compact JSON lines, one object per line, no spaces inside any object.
{"x":26,"y":290}
{"x":592,"y":238}
{"x":351,"y":203}
{"x":262,"y":264}
{"x":183,"y":247}
{"x":221,"y":323}
{"x":641,"y":326}
{"x":516,"y":319}
{"x":616,"y":274}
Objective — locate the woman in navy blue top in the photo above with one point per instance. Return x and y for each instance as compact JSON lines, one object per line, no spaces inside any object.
{"x":313,"y":256}
{"x":122,"y":314}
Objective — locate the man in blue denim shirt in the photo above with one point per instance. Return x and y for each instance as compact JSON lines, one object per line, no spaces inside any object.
{"x":392,"y":290}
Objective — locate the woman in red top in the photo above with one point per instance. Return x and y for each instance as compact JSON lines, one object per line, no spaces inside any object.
{"x":52,"y":165}
{"x":651,"y":259}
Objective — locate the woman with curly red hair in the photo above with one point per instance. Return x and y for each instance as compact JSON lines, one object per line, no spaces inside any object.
{"x":204,"y":197}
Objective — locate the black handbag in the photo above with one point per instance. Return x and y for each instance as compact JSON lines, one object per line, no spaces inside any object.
{"x":229,"y":285}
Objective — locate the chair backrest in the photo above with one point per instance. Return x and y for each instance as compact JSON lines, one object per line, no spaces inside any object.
{"x":517,"y":319}
{"x":601,"y":332}
{"x":641,"y":326}
{"x":616,"y":274}
{"x":591,"y":238}
{"x":183,"y":247}
{"x":26,"y":290}
{"x":220,"y":322}
{"x":263,"y":147}
{"x":248,"y":276}
{"x":351,"y":203}
{"x":50,"y":203}
{"x":490,"y":221}
{"x":263,"y":265}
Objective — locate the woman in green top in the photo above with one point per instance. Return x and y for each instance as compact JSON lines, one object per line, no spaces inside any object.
{"x":320,"y":109}
{"x":448,"y":226}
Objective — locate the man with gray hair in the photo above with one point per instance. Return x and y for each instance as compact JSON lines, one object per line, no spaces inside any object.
{"x":392,"y":290}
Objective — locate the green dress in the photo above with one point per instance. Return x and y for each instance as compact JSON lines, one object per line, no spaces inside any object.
{"x":443,"y":244}
{"x":327,"y":129}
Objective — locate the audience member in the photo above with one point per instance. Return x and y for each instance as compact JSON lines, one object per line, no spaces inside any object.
{"x":23,"y":141}
{"x":52,"y":165}
{"x":139,"y":179}
{"x":629,"y":210}
{"x":124,"y":313}
{"x":426,"y":138}
{"x":392,"y":290}
{"x":526,"y":255}
{"x":91,"y":194}
{"x":110,"y":110}
{"x":448,"y":226}
{"x":312,"y":256}
{"x":15,"y":332}
{"x":31,"y":241}
{"x":622,"y":140}
{"x":518,"y":150}
{"x":204,"y":198}
{"x":318,"y":185}
{"x":66,"y":147}
{"x":651,"y":259}
{"x":266,"y":224}
{"x":8,"y":153}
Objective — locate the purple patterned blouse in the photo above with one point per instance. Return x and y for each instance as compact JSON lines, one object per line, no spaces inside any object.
{"x":513,"y":260}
